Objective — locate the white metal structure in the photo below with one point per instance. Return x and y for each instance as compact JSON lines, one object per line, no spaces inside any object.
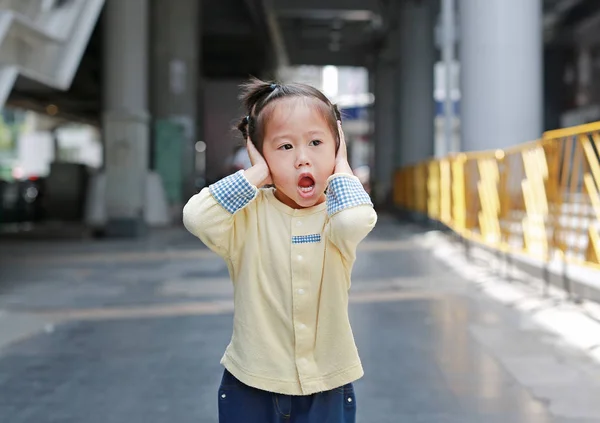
{"x":44,"y":40}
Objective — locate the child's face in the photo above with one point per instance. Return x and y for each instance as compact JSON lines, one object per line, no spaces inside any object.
{"x":299,"y":149}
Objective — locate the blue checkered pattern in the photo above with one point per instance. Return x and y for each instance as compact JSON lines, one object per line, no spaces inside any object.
{"x":345,"y":192}
{"x":306,"y":239}
{"x":233,"y":192}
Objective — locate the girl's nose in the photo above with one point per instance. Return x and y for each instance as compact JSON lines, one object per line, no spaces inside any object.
{"x":302,"y":158}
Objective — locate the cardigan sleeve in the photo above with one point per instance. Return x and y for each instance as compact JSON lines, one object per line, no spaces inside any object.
{"x":215,"y":214}
{"x":350,"y":212}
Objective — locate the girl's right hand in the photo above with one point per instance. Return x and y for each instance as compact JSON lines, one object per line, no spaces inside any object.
{"x":341,"y":158}
{"x":259,"y":174}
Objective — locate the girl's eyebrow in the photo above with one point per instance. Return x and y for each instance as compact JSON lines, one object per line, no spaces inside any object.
{"x":280,"y":137}
{"x":290,"y":136}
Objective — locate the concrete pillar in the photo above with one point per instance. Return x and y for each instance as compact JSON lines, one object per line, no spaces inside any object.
{"x":175,"y":73}
{"x":125,"y":116}
{"x":383,"y":171}
{"x":416,"y":61}
{"x":501,"y":72}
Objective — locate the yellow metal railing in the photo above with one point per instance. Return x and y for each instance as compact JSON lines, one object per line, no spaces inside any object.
{"x":540,"y":198}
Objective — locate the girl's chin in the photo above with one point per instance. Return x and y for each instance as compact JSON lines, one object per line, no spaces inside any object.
{"x":314,"y":199}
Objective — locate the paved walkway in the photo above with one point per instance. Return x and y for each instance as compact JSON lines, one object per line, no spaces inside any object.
{"x":132,"y":331}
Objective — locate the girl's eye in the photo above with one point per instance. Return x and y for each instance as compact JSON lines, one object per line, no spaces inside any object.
{"x":286,"y":147}
{"x":316,"y":142}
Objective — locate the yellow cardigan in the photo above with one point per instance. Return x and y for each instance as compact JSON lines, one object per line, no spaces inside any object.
{"x":290,"y":270}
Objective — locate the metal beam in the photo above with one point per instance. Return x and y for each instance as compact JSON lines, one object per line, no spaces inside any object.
{"x":585,"y":33}
{"x":69,"y":110}
{"x":555,"y":14}
{"x":289,"y":6}
{"x":324,"y":29}
{"x":341,"y":10}
{"x":261,"y":12}
{"x":323,"y":57}
{"x":276,"y":35}
{"x":217,"y":28}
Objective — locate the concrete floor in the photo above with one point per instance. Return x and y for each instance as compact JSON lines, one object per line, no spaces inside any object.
{"x":132,"y":331}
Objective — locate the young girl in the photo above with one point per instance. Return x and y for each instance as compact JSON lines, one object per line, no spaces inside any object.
{"x":289,"y":249}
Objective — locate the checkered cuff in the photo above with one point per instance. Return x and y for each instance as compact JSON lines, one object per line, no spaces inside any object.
{"x":233,"y":192}
{"x":345,"y":191}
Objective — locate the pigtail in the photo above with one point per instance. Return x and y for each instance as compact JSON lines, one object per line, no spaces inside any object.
{"x":336,"y":112}
{"x":256,"y":93}
{"x":243,"y":127}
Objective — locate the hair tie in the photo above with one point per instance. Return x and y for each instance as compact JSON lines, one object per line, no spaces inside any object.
{"x":274,"y":87}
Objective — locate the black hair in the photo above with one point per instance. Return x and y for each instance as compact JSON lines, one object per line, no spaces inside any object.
{"x":257,"y":95}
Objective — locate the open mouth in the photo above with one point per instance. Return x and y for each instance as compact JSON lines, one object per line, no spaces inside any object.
{"x":306,"y":185}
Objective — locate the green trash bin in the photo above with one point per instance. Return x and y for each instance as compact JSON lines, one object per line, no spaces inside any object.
{"x":169,"y":139}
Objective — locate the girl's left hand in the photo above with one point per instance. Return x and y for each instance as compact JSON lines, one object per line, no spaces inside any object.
{"x":341,"y":158}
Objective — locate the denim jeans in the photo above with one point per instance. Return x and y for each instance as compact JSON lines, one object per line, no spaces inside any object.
{"x":239,"y":403}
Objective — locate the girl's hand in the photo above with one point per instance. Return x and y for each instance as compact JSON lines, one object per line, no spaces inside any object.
{"x":259,"y":174}
{"x":341,"y":158}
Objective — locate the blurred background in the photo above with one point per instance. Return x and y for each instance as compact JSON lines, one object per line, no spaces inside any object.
{"x":473,"y":124}
{"x":93,"y":94}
